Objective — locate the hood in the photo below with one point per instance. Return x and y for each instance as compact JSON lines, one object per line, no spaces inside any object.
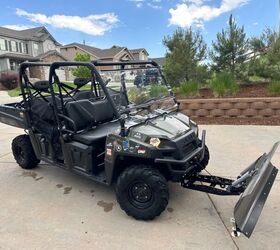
{"x":165,"y":127}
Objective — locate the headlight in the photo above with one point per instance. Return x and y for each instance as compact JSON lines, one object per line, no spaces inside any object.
{"x":155,"y":142}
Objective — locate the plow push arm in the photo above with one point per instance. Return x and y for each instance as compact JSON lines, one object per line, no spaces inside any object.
{"x":254,"y":184}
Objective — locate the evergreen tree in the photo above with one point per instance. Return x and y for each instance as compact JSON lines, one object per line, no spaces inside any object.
{"x":230,"y":48}
{"x":185,"y":50}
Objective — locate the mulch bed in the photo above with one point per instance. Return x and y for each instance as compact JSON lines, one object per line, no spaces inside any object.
{"x":238,"y":121}
{"x":246,"y":90}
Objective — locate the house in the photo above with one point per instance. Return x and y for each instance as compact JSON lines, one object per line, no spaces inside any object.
{"x":159,"y":60}
{"x":115,"y":53}
{"x":139,"y":54}
{"x":35,"y":44}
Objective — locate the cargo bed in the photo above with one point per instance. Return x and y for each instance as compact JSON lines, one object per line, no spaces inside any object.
{"x":12,"y":115}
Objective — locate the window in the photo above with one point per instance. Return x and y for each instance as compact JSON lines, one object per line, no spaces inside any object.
{"x":25,"y":48}
{"x":3,"y":44}
{"x":36,"y":49}
{"x":14,"y":46}
{"x":20,"y":46}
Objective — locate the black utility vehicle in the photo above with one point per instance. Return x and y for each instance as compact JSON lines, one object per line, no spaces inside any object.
{"x":116,"y":133}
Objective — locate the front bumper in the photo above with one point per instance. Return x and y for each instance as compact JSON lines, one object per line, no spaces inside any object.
{"x":199,"y":151}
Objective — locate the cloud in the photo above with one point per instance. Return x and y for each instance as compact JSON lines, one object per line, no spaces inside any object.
{"x":138,"y":3}
{"x":95,"y":25}
{"x":196,"y":12}
{"x":155,"y":4}
{"x":255,"y":23}
{"x":18,"y":26}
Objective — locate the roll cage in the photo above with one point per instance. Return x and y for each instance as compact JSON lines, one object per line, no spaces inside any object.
{"x":30,"y":91}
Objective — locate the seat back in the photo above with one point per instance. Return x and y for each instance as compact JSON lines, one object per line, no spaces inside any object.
{"x":86,"y":94}
{"x":85,"y":113}
{"x":102,"y":111}
{"x":78,"y":111}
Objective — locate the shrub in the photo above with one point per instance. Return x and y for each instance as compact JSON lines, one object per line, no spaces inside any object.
{"x":9,"y":80}
{"x":137,"y":95}
{"x":188,"y":89}
{"x":274,"y":87}
{"x":224,"y":84}
{"x":158,"y":90}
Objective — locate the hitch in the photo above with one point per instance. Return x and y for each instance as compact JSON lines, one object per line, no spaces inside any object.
{"x":226,"y":186}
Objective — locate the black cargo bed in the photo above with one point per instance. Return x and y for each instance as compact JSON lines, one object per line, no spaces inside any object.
{"x":12,"y":115}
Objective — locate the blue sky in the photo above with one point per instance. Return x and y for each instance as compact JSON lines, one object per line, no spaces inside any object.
{"x":136,"y":23}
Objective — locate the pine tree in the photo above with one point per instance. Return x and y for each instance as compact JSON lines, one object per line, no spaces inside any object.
{"x":230,"y":48}
{"x":186,"y":49}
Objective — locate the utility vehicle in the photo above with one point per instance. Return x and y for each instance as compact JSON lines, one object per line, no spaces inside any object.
{"x":105,"y":128}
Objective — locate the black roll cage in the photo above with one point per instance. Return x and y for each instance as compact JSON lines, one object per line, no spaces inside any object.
{"x":52,"y":78}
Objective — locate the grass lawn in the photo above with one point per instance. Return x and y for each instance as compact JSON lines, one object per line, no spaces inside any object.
{"x":16,"y":91}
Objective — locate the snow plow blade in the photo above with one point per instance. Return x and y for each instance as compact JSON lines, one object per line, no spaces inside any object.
{"x":259,"y":178}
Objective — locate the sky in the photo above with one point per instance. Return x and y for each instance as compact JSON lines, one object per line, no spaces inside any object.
{"x":136,"y":23}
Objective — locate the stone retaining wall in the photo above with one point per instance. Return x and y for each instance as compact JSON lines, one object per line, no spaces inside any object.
{"x":232,"y":107}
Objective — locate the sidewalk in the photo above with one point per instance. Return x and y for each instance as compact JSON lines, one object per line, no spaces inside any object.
{"x":5,"y":98}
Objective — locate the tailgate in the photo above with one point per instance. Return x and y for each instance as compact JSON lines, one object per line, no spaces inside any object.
{"x":13,"y":116}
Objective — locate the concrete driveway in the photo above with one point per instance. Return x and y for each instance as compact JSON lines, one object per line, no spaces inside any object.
{"x":49,"y":208}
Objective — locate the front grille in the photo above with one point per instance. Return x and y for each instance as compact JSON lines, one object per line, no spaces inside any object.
{"x":187,"y":148}
{"x":186,"y":144}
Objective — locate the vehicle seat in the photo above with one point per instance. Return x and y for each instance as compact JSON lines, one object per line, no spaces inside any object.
{"x":86,"y":94}
{"x":78,"y":111}
{"x":86,"y":114}
{"x":98,"y":133}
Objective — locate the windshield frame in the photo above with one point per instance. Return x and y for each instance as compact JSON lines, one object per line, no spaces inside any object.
{"x":122,"y":68}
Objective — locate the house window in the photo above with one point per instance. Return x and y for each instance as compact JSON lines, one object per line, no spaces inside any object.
{"x":25,"y":48}
{"x":36,"y":49}
{"x":14,"y":46}
{"x":3,"y":44}
{"x":13,"y":65}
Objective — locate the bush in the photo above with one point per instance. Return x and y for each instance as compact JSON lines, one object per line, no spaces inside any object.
{"x":137,"y":95}
{"x":158,"y":90}
{"x":224,"y":84}
{"x":82,"y":71}
{"x":274,"y":87}
{"x":9,"y":80}
{"x":188,"y":89}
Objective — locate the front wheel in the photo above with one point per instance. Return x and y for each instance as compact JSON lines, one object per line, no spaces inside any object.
{"x":142,"y":192}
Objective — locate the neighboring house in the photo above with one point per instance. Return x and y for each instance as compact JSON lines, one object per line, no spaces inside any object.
{"x":159,"y":60}
{"x":139,"y":54}
{"x":35,"y":44}
{"x":114,"y":53}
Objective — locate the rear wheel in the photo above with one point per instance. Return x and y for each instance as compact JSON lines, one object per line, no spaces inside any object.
{"x":142,"y":192}
{"x":23,"y":152}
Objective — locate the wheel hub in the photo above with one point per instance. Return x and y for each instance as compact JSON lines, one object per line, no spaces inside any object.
{"x":140,"y":195}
